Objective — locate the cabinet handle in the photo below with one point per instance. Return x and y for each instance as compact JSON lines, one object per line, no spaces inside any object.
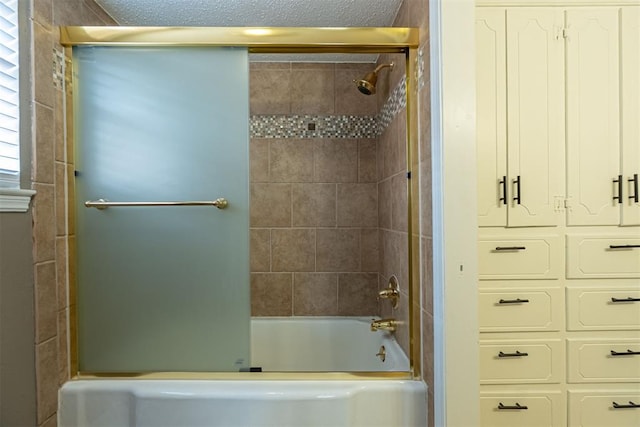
{"x":516,"y":406}
{"x":513,"y":301}
{"x":510,"y":248}
{"x":516,"y":354}
{"x":627,"y":299}
{"x":625,"y":353}
{"x":503,"y":184}
{"x":518,"y":194}
{"x":618,"y":181}
{"x":631,"y":404}
{"x":634,"y":196}
{"x":623,"y":246}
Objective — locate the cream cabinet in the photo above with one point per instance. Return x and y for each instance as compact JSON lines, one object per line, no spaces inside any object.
{"x":603,"y":154}
{"x":520,"y":116}
{"x":604,"y":407}
{"x":523,"y":408}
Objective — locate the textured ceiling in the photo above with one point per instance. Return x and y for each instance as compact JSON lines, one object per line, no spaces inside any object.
{"x":259,"y":13}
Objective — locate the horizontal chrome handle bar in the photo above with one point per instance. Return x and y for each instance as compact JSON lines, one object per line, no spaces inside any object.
{"x":219,"y":203}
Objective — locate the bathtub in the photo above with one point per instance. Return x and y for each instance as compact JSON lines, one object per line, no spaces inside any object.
{"x":268,"y":398}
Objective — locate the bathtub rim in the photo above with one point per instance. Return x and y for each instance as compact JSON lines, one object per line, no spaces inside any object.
{"x":260,"y":376}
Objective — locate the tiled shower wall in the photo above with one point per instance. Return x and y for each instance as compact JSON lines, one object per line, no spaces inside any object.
{"x":314,"y":193}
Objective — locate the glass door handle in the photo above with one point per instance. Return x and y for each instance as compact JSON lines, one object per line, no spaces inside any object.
{"x":101,"y":204}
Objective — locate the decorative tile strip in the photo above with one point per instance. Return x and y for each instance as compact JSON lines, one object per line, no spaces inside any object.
{"x":312,"y":126}
{"x":317,"y":126}
{"x":58,"y":69}
{"x":395,"y":103}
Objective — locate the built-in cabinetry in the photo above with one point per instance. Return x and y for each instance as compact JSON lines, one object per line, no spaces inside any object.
{"x":558,"y":147}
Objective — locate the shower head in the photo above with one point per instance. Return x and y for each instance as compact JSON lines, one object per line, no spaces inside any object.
{"x":367,"y":84}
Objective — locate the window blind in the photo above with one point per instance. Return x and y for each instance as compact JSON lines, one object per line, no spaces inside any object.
{"x":9,"y":103}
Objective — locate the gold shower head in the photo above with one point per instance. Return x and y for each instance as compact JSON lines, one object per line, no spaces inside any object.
{"x":367,"y":84}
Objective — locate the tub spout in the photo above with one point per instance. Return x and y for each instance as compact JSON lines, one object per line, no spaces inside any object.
{"x":384,"y":324}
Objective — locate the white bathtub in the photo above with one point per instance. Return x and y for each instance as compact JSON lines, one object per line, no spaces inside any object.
{"x":325,"y":344}
{"x":264,"y":399}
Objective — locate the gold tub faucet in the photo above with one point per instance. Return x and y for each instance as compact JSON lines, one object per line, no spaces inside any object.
{"x":384,"y":324}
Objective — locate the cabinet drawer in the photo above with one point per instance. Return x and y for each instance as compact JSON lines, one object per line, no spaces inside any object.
{"x":520,"y":361}
{"x":605,"y":308}
{"x":603,"y":256}
{"x":516,"y":309}
{"x":522,"y":258}
{"x":602,"y":408}
{"x":521,"y":409}
{"x":604,"y":360}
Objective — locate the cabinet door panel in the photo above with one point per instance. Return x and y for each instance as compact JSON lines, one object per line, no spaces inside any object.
{"x":630,"y":61}
{"x":595,"y":408}
{"x":535,"y":115}
{"x":491,"y":116}
{"x":593,"y":140}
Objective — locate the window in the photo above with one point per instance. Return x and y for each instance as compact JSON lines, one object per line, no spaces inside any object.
{"x":9,"y":110}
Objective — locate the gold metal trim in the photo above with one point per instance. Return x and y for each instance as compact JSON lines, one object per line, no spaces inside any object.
{"x":263,"y":40}
{"x":257,"y":39}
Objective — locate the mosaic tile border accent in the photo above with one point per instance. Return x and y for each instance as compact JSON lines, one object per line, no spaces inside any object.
{"x":58,"y":69}
{"x":318,"y":126}
{"x":312,"y":126}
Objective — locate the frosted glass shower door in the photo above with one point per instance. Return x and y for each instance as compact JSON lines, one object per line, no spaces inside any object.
{"x":162,"y":288}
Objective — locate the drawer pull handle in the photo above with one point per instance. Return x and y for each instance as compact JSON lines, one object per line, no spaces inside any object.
{"x":631,"y":404}
{"x":510,"y":248}
{"x":517,"y":406}
{"x":627,"y":299}
{"x":623,"y":246}
{"x":625,"y":353}
{"x":513,"y":301}
{"x":503,"y":184}
{"x":516,"y":354}
{"x":618,"y":181}
{"x":634,"y":196}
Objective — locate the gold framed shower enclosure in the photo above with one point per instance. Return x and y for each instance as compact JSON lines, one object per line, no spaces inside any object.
{"x":264,"y":40}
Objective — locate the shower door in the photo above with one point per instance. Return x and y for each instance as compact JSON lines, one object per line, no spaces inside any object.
{"x":162,"y":287}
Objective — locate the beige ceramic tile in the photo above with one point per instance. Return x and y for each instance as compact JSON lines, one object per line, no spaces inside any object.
{"x":93,"y":14}
{"x":315,"y":294}
{"x":336,"y":160}
{"x":370,"y":256}
{"x":260,"y":249}
{"x":399,"y":212}
{"x":270,"y":88}
{"x":71,"y":200}
{"x":384,"y":204}
{"x":259,"y":159}
{"x":394,"y":256}
{"x":63,"y":350}
{"x":51,"y":422}
{"x":367,"y":160}
{"x":68,"y":12}
{"x":357,"y":294}
{"x":348,"y":99}
{"x":312,"y":88}
{"x":46,"y":379}
{"x":293,"y":249}
{"x":59,"y":124}
{"x":426,"y":282}
{"x":338,"y":249}
{"x":43,"y":12}
{"x":61,"y":271}
{"x":44,"y":227}
{"x":290,"y":160}
{"x":270,"y":205}
{"x":46,"y":301}
{"x":271,"y":294}
{"x":426,"y":207}
{"x":313,"y":205}
{"x":43,"y":66}
{"x":357,"y":205}
{"x":44,"y":144}
{"x":427,"y":348}
{"x":61,"y":199}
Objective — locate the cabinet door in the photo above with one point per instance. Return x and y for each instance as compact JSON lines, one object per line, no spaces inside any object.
{"x":535,"y":115}
{"x":593,"y":140}
{"x":630,"y":61}
{"x":491,"y":145}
